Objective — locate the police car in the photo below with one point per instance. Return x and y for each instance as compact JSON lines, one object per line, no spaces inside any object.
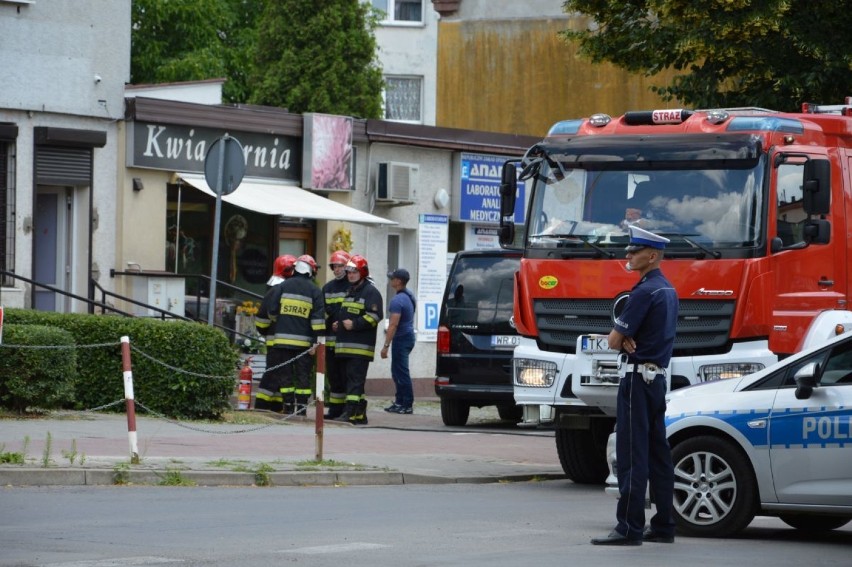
{"x":777,"y":442}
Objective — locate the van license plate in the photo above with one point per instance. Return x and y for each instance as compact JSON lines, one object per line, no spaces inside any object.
{"x":595,"y":343}
{"x":505,"y":341}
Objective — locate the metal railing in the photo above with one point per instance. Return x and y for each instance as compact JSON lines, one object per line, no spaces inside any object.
{"x":163,"y":314}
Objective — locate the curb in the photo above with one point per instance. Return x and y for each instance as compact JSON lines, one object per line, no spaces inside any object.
{"x":101,"y":477}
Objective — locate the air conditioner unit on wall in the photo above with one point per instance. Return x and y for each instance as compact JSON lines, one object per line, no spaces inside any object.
{"x":397,"y":181}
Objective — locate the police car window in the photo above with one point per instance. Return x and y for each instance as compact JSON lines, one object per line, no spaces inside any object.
{"x":838,"y":367}
{"x":784,"y":378}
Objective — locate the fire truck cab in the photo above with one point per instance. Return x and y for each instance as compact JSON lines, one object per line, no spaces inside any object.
{"x":755,"y":205}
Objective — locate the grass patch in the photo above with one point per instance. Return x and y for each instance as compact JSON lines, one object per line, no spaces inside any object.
{"x":327,"y":464}
{"x":175,"y":477}
{"x":11,"y":457}
{"x":261,"y":475}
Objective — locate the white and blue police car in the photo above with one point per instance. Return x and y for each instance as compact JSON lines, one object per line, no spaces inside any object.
{"x":775,"y":443}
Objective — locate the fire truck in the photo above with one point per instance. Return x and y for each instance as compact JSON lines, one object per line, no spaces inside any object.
{"x":755,"y":204}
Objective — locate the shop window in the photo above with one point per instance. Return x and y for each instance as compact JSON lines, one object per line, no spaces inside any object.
{"x":403,"y":98}
{"x":400,"y":10}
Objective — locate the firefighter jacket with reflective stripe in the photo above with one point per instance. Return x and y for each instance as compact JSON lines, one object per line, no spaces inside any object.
{"x":334,"y":292}
{"x":291,"y":314}
{"x":363,"y":306}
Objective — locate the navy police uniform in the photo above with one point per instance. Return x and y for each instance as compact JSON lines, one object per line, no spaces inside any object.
{"x":642,"y":450}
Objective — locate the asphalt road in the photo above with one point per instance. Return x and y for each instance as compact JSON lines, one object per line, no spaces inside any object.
{"x":471,"y":525}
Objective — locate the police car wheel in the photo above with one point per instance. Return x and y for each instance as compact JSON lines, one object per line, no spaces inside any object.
{"x":813,"y":523}
{"x":715,"y":488}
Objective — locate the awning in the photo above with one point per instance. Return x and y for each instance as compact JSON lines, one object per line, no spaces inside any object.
{"x":272,"y":198}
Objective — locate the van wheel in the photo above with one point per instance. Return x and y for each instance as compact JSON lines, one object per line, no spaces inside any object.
{"x":454,"y":412}
{"x":510,"y":412}
{"x":582,"y":452}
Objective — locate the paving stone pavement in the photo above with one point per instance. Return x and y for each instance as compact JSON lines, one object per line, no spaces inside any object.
{"x":77,"y":448}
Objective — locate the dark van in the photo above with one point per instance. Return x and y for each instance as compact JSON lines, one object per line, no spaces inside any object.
{"x":475,"y":337}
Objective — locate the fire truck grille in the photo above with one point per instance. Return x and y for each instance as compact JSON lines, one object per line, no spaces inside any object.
{"x":703,"y":326}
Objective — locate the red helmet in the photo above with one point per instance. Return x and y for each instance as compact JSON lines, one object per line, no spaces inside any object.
{"x":358,"y":263}
{"x":282,"y":269}
{"x":305,"y":264}
{"x":339,"y":257}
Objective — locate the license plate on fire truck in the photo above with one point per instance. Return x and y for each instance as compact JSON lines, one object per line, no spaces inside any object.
{"x":594,"y":343}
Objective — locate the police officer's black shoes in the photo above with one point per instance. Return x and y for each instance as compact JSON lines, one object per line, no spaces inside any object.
{"x":651,"y":535}
{"x":615,"y":538}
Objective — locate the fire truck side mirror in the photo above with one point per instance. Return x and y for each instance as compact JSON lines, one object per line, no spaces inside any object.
{"x":508,"y":193}
{"x":817,"y":187}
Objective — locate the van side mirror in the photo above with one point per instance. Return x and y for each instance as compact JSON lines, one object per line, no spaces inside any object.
{"x":816,"y":199}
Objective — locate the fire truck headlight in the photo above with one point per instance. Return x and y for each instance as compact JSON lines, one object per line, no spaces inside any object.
{"x":713,"y":372}
{"x":534,"y":373}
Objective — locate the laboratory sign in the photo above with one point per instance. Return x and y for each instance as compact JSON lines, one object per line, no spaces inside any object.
{"x":480,"y":190}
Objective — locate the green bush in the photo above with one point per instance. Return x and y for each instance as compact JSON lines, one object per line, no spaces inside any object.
{"x":180,"y":369}
{"x":37,"y":377}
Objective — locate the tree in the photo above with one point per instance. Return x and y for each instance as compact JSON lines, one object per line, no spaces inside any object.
{"x":767,"y":53}
{"x":191,"y":40}
{"x":318,"y":56}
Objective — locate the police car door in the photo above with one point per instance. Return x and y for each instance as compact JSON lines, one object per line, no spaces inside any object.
{"x":810,"y":440}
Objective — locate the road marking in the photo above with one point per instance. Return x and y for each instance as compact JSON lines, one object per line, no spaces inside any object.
{"x":338,"y":548}
{"x":118,"y":562}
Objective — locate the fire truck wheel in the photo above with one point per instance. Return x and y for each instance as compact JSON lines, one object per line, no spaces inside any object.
{"x":582,"y":452}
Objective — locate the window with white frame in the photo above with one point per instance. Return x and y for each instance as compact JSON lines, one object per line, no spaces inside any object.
{"x":403,"y":98}
{"x":400,"y":10}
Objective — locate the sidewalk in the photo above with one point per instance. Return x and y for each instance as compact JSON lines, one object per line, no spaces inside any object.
{"x":87,"y":449}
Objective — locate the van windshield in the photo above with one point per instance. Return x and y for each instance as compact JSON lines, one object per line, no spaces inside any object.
{"x":480,"y":290}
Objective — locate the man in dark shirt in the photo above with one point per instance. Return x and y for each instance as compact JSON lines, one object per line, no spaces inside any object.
{"x":644,"y":333}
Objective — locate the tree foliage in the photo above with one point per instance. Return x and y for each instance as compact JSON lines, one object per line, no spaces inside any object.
{"x":726,"y":53}
{"x":318,"y":56}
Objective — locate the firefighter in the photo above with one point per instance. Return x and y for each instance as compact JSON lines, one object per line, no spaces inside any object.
{"x":334,"y":291}
{"x":292,"y":312}
{"x":281,"y":269}
{"x":355,"y":336}
{"x":268,"y":396}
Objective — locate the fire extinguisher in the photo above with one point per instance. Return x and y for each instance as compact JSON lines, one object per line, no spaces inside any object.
{"x":244,"y":391}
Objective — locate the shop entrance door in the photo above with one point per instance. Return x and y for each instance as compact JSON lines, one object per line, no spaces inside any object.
{"x":52,"y":247}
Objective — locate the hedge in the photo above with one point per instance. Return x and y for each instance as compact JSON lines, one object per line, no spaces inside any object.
{"x":189,"y":370}
{"x":37,"y":377}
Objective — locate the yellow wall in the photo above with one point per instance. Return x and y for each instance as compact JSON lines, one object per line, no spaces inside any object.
{"x":518,"y":76}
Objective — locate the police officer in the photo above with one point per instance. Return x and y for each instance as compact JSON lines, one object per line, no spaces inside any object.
{"x":644,"y":333}
{"x":334,"y":291}
{"x":355,"y":328}
{"x":292,"y":313}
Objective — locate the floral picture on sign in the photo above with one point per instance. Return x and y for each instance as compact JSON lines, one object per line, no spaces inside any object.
{"x":327,"y":159}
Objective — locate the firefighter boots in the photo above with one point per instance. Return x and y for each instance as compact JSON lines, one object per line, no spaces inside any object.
{"x":359,"y":417}
{"x":334,"y":411}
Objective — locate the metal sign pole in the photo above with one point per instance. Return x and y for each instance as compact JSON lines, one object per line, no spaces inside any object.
{"x":214,"y":267}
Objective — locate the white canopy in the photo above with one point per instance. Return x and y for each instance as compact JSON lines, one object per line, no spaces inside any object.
{"x":272,"y":198}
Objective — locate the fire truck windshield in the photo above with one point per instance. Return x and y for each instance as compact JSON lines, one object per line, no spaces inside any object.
{"x":579,"y":205}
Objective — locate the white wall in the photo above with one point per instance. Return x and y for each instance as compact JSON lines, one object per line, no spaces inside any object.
{"x":64,"y":64}
{"x":406,"y":49}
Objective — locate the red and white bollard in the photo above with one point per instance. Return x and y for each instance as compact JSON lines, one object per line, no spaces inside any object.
{"x":129,"y":401}
{"x":244,"y":389}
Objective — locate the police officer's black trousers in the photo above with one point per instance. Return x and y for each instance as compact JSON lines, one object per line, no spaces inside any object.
{"x":643,"y":454}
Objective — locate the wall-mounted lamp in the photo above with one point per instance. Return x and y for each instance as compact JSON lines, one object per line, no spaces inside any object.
{"x":442,"y":198}
{"x":137,"y":184}
{"x":133,"y":266}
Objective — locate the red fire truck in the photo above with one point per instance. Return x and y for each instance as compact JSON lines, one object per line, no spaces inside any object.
{"x":755,"y":204}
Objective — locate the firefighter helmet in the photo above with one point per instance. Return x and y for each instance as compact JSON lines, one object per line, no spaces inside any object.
{"x":339,"y":257}
{"x":305,"y":264}
{"x":282,"y":269}
{"x":358,"y":264}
